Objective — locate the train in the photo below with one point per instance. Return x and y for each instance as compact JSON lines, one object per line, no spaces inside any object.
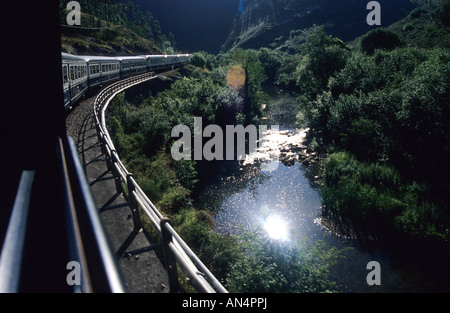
{"x":83,"y":73}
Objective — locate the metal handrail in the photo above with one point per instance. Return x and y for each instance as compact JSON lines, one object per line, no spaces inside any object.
{"x":108,"y":264}
{"x":200,"y":277}
{"x":12,"y":252}
{"x":88,"y":242}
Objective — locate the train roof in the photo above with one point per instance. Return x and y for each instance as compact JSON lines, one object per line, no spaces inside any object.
{"x":136,"y":57}
{"x":168,"y":55}
{"x":71,"y":57}
{"x":87,"y":58}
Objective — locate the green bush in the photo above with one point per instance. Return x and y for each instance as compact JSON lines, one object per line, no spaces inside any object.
{"x":155,"y":128}
{"x":323,"y":56}
{"x":217,"y":251}
{"x":186,"y":173}
{"x":202,"y":59}
{"x":379,"y":38}
{"x":266,"y":266}
{"x":173,"y":200}
{"x":362,"y":138}
{"x":367,"y":195}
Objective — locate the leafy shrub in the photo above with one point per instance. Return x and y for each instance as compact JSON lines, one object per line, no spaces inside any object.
{"x":202,"y":59}
{"x":186,"y":173}
{"x":379,"y":38}
{"x":267,"y":266}
{"x":322,"y":57}
{"x":362,"y":138}
{"x":155,"y":128}
{"x":215,"y":250}
{"x":173,"y":200}
{"x":365,"y":194}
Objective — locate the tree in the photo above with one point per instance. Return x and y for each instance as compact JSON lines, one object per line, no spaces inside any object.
{"x":379,"y":38}
{"x":271,"y":61}
{"x":322,"y":57}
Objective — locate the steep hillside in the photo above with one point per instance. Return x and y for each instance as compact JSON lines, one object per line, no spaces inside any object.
{"x":426,"y":26}
{"x":109,"y":40}
{"x":110,"y":27}
{"x":264,"y":21}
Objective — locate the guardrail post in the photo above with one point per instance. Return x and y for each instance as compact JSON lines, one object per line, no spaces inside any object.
{"x":108,"y":155}
{"x":115,"y":172}
{"x":133,"y":204}
{"x":101,"y":139}
{"x":169,"y":257}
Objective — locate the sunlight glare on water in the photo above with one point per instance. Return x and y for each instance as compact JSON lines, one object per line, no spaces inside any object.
{"x":276,"y":228}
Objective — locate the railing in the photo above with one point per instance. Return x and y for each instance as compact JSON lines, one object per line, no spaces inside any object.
{"x":176,"y":251}
{"x":12,"y":253}
{"x":86,"y":240}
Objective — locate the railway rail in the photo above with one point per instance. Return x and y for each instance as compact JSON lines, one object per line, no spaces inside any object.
{"x":176,"y":251}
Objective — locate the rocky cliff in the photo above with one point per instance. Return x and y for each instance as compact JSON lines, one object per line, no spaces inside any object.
{"x":263,"y":21}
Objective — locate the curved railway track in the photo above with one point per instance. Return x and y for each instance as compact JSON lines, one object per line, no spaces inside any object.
{"x":139,"y":260}
{"x":120,"y":200}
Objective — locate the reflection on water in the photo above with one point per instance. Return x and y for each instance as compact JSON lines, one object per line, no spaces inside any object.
{"x":281,"y":194}
{"x":276,"y":227}
{"x":286,"y":204}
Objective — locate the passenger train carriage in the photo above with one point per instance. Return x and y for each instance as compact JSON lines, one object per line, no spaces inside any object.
{"x":81,"y":73}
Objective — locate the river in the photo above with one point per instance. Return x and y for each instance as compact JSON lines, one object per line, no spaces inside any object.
{"x":285,"y":201}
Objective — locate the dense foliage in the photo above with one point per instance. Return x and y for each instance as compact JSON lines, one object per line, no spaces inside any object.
{"x":117,"y":23}
{"x":270,"y":266}
{"x":141,"y":132}
{"x":377,"y":108}
{"x":386,"y":107}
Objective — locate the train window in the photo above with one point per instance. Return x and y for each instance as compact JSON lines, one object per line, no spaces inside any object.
{"x":65,"y":78}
